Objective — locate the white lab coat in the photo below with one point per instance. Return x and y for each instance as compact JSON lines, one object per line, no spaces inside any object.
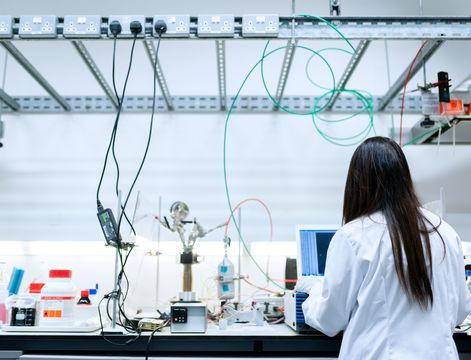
{"x":361,"y":295}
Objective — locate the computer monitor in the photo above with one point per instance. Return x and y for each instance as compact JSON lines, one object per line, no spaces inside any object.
{"x":313,"y":242}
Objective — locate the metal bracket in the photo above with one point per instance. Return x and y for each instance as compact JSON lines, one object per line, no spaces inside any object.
{"x":427,"y":52}
{"x":352,"y":64}
{"x":34,"y":73}
{"x":92,"y":66}
{"x":8,"y":100}
{"x":202,"y":104}
{"x":221,"y":67}
{"x":285,"y":69}
{"x":150,"y":49}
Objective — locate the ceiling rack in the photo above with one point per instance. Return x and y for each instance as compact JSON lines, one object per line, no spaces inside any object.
{"x":436,"y":30}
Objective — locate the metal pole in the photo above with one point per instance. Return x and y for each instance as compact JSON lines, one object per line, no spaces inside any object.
{"x":116,"y":266}
{"x":93,"y":67}
{"x":239,"y":267}
{"x":18,"y":56}
{"x":151,"y":53}
{"x":7,"y":99}
{"x":351,"y":66}
{"x":424,"y":68}
{"x":388,"y":73}
{"x":427,"y":52}
{"x":221,"y":69}
{"x":157,"y":272}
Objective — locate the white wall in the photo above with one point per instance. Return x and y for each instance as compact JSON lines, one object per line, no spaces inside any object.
{"x":50,"y":164}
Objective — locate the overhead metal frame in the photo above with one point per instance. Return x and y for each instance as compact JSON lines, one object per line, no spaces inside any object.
{"x":9,"y":101}
{"x":285,"y":69}
{"x":221,"y":67}
{"x":379,"y":28}
{"x":202,"y":104}
{"x":292,"y":28}
{"x":428,"y":50}
{"x":18,"y":56}
{"x":353,"y":27}
{"x":92,"y":66}
{"x":351,"y":66}
{"x":150,"y":49}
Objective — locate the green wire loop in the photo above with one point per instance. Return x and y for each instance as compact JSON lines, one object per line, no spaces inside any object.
{"x":316,"y":109}
{"x":278,"y":103}
{"x":308,"y":63}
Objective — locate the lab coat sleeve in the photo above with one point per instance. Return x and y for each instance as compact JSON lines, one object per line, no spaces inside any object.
{"x":329,"y":310}
{"x":464,"y":297}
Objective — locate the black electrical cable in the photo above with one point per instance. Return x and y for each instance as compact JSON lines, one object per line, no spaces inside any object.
{"x":127,"y":324}
{"x":118,"y":294}
{"x":152,"y":335}
{"x":115,"y":127}
{"x":105,"y":162}
{"x":127,"y":342}
{"x":149,"y":341}
{"x":108,"y":309}
{"x":149,"y":137}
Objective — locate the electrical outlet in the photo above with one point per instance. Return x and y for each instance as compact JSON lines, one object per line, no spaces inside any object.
{"x":6,"y":27}
{"x":260,"y":25}
{"x":82,"y":26}
{"x":125,"y":21}
{"x":216,"y":25}
{"x":38,"y":26}
{"x":177,"y":25}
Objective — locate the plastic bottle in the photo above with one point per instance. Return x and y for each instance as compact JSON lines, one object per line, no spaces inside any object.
{"x":58,"y":299}
{"x":84,"y":299}
{"x":430,"y":103}
{"x":226,"y":288}
{"x":35,"y":290}
{"x":23,"y":310}
{"x":3,"y":308}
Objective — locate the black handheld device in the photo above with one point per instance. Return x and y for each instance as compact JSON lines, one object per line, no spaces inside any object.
{"x":109,"y":226}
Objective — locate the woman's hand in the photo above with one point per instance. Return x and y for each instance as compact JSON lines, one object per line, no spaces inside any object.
{"x":307,"y":284}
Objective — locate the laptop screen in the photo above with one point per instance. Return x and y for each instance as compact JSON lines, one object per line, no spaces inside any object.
{"x":313,"y":245}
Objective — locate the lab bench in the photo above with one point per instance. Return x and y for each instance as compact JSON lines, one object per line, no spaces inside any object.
{"x":250,"y":342}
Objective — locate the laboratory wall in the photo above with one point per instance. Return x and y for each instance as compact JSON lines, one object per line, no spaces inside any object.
{"x":50,"y":164}
{"x":50,"y":167}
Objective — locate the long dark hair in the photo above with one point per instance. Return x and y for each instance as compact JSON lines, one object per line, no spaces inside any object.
{"x":379,"y":180}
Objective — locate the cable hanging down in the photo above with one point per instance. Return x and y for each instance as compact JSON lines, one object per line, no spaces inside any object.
{"x":124,"y":253}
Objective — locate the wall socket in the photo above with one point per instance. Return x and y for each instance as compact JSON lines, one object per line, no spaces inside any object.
{"x":259,"y":25}
{"x":216,"y":25}
{"x":82,"y":26}
{"x":177,"y":25}
{"x":6,"y":27}
{"x":125,"y":21}
{"x":38,"y":26}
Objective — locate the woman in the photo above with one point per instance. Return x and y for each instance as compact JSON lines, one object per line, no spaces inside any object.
{"x":394,"y":279}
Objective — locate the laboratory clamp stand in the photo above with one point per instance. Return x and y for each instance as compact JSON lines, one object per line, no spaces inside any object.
{"x":188,"y":315}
